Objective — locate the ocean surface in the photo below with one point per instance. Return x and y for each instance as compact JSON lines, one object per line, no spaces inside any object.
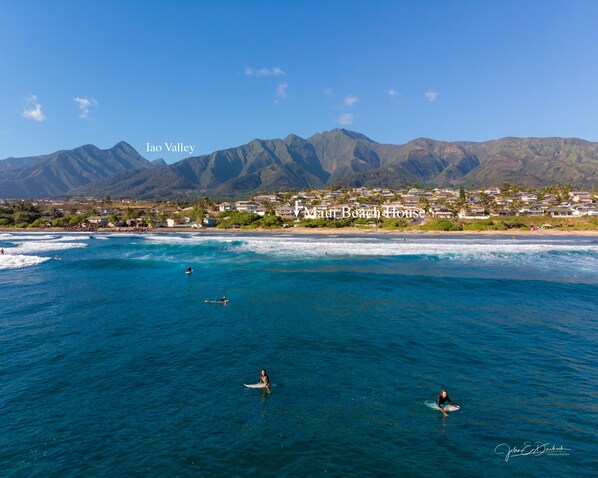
{"x":112,"y":364}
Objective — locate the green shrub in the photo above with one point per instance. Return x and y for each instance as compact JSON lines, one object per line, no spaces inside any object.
{"x":316,"y":223}
{"x":269,"y":221}
{"x":39,"y":223}
{"x":396,"y":223}
{"x":240,"y":218}
{"x":441,"y":225}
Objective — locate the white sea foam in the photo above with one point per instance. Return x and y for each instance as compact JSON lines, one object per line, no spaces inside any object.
{"x":28,"y":247}
{"x":458,"y":248}
{"x":26,"y":237}
{"x":75,"y":237}
{"x":461,"y":249}
{"x":9,"y":237}
{"x":177,"y":240}
{"x":18,"y":261}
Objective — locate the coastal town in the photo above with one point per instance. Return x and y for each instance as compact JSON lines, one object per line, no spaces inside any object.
{"x":505,"y":207}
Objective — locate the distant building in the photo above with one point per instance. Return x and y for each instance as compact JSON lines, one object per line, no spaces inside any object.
{"x":136,"y":222}
{"x":580,"y":196}
{"x":285,"y":212}
{"x":561,"y":212}
{"x":473,"y":212}
{"x":441,"y":213}
{"x":532,"y":211}
{"x":226,"y":206}
{"x":100,"y":221}
{"x":246,"y":206}
{"x":267,"y":198}
{"x":528,"y":197}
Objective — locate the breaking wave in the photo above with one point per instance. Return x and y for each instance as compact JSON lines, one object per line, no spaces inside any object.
{"x":18,"y":261}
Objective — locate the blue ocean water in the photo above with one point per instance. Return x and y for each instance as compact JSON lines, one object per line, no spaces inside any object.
{"x":111,"y":364}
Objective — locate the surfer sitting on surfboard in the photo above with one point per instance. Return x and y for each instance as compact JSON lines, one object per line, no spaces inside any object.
{"x":265,"y":379}
{"x":441,"y":401}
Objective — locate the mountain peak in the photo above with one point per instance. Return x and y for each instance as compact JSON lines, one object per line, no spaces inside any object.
{"x":293,"y":139}
{"x":124,"y":146}
{"x":342,"y":134}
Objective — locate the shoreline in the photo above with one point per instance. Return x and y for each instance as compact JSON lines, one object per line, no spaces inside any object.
{"x":305,"y":231}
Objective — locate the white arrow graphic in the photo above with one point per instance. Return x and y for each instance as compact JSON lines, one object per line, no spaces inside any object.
{"x":297,"y":208}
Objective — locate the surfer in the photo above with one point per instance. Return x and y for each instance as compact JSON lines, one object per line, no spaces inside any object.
{"x":224,"y":300}
{"x":2,"y":251}
{"x":441,"y":402}
{"x":265,"y":379}
{"x":189,"y":270}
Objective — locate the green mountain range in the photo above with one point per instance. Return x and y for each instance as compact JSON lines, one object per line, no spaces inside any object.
{"x":337,"y":157}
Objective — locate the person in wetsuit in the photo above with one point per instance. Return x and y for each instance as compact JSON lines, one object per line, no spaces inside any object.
{"x":224,"y":300}
{"x":189,"y":269}
{"x":441,"y":401}
{"x":265,"y":379}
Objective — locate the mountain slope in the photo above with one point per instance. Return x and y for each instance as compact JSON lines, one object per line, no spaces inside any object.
{"x":59,"y":172}
{"x":258,"y":165}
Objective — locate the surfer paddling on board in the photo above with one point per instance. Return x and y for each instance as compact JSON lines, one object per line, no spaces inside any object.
{"x":265,"y":379}
{"x":441,"y":402}
{"x":224,"y":300}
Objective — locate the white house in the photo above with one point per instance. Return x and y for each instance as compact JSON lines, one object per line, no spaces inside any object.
{"x":528,"y":197}
{"x":561,"y":212}
{"x":226,"y":206}
{"x":246,"y":206}
{"x":100,"y":221}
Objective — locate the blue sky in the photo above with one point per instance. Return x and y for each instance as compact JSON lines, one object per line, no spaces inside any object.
{"x":218,"y":74}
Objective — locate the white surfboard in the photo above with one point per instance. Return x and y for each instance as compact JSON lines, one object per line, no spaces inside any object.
{"x":258,"y":385}
{"x":448,"y":408}
{"x":188,"y":272}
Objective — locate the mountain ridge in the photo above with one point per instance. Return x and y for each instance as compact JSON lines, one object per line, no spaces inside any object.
{"x":57,"y":173}
{"x":338,"y":157}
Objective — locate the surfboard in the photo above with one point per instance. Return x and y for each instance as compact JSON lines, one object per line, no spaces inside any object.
{"x":258,"y":385}
{"x":188,"y":272}
{"x":448,"y":408}
{"x":216,"y":301}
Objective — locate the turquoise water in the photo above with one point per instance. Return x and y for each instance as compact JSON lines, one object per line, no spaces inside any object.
{"x":111,"y":364}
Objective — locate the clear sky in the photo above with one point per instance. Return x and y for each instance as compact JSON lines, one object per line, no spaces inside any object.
{"x":217,"y":74}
